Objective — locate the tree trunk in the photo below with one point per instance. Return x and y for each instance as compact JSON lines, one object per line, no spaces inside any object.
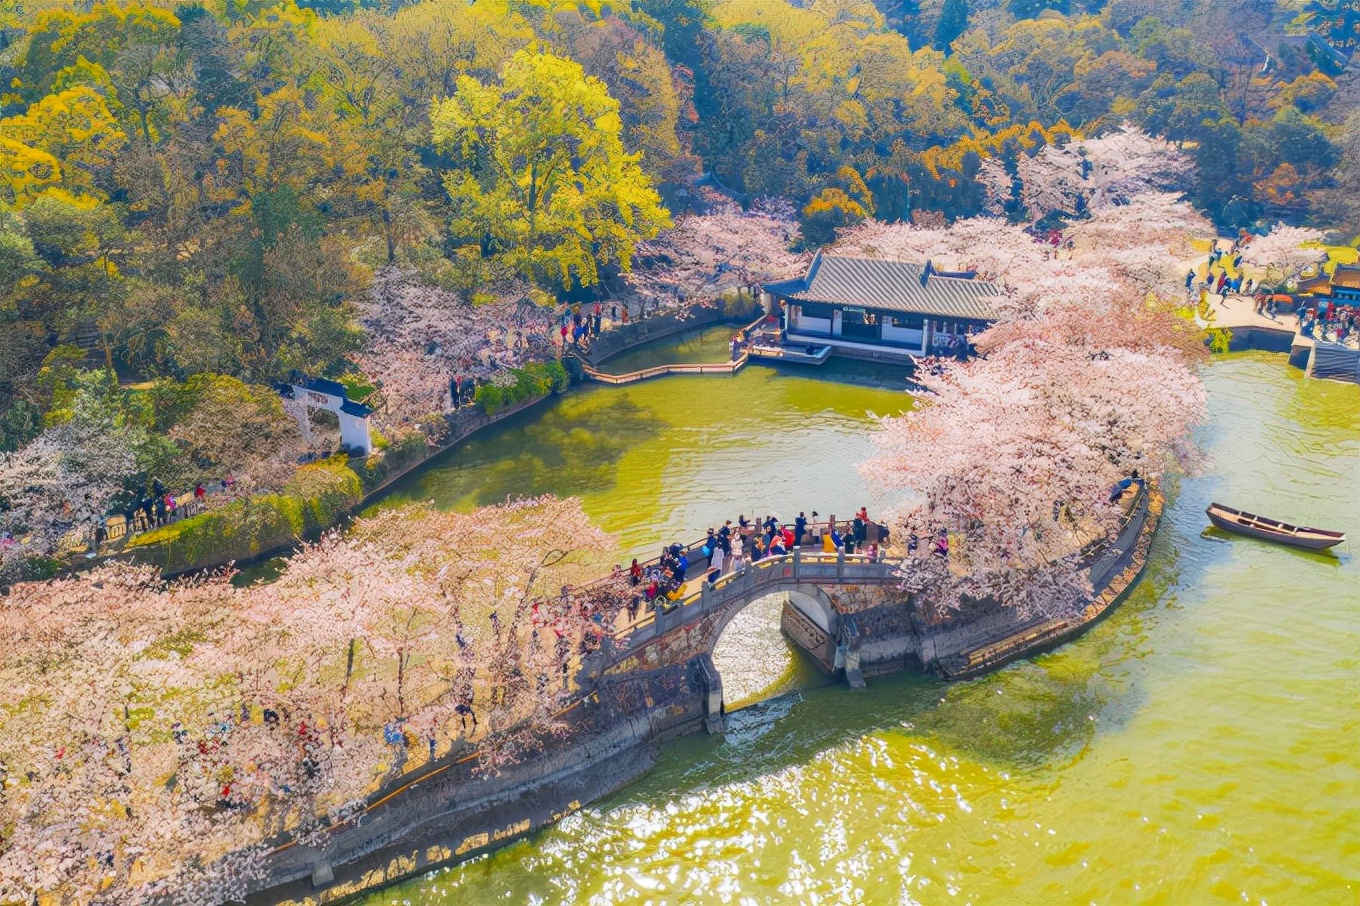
{"x":391,"y":240}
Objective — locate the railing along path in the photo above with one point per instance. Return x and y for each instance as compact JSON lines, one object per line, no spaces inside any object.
{"x":659,"y":370}
{"x":766,"y":576}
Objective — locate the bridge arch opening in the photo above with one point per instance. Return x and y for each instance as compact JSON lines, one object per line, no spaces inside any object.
{"x":776,"y":644}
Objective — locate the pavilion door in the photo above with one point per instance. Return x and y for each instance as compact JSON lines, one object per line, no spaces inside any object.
{"x":836,"y":323}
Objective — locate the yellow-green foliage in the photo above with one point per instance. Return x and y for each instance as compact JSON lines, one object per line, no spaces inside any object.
{"x":318,"y":495}
{"x":1219,"y":339}
{"x":557,"y":190}
{"x":392,"y":458}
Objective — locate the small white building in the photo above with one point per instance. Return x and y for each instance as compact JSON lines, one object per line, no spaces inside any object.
{"x":319,"y":393}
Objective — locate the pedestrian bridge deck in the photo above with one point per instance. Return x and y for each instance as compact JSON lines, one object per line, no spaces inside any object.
{"x":764,"y":577}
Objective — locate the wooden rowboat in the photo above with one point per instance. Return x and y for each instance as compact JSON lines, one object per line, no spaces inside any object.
{"x":1253,"y":526}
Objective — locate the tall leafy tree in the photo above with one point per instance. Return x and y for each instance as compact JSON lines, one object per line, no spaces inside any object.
{"x":544,"y":185}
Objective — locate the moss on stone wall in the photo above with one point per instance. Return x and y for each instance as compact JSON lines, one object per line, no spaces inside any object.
{"x":314,"y":500}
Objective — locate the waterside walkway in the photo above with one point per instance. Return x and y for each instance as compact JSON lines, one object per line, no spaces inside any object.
{"x":1282,"y":333}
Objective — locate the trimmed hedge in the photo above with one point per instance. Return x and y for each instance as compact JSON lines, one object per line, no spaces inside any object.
{"x":313,"y":501}
{"x":402,"y":452}
{"x":531,"y":380}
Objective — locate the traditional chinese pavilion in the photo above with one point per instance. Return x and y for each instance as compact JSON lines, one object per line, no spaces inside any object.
{"x":877,"y":307}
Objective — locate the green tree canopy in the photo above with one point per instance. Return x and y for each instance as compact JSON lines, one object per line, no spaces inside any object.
{"x":543,"y":185}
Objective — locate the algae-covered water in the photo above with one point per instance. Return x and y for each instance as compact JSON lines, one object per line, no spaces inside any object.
{"x":665,"y":459}
{"x":1201,"y":745}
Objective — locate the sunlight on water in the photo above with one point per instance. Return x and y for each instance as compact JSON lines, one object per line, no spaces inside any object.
{"x":1199,"y":746}
{"x":754,"y":659}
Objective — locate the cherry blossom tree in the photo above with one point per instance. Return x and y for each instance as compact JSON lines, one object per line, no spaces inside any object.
{"x":1122,"y":251}
{"x":1089,"y":174}
{"x":420,"y":336}
{"x":705,"y":255}
{"x":1088,"y":375}
{"x":1281,"y":254}
{"x":1015,"y":455}
{"x":156,"y":732}
{"x":63,"y":481}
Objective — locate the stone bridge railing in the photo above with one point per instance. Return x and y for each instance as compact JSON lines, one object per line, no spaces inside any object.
{"x":756,"y":580}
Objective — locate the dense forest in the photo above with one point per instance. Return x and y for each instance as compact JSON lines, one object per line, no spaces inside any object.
{"x":201,"y":194}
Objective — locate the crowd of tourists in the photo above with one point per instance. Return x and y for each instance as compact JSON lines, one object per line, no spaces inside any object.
{"x":573,"y":326}
{"x":733,"y":547}
{"x":583,"y":324}
{"x":1223,"y":277}
{"x":1332,"y":323}
{"x":153,"y":507}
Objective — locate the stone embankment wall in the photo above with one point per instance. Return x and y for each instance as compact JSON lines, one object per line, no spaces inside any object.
{"x":453,"y":813}
{"x":666,"y":689}
{"x":627,"y":337}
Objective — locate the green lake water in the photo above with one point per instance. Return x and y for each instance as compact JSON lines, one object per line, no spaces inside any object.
{"x":703,"y":345}
{"x":1201,"y":745}
{"x":663,"y":460}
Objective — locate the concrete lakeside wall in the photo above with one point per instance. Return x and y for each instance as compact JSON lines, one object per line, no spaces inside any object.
{"x":1269,"y":339}
{"x":627,"y":337}
{"x":1263,"y":338}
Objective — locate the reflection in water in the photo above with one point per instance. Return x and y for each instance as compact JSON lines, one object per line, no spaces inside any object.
{"x":1197,"y":746}
{"x":754,"y":659}
{"x":665,"y":459}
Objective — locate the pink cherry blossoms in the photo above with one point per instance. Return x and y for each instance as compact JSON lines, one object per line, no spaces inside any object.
{"x":1088,"y":376}
{"x":1121,"y":251}
{"x":1089,"y":174}
{"x":705,"y":255}
{"x":1282,"y":249}
{"x":420,"y":336}
{"x":156,"y":727}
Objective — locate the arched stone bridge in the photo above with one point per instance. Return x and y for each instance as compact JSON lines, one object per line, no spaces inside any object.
{"x":655,"y":680}
{"x":824,"y":593}
{"x":852,"y":614}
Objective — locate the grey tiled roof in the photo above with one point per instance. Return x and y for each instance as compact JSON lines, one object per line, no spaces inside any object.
{"x":891,"y":286}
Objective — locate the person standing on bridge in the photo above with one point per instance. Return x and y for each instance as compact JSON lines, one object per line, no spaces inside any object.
{"x":717,"y":558}
{"x":799,"y":529}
